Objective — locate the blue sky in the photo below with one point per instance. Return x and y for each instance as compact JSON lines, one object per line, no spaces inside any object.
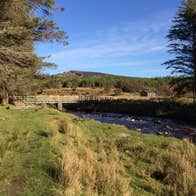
{"x":123,"y":37}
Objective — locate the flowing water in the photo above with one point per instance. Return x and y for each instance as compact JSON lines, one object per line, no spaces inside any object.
{"x":143,"y":124}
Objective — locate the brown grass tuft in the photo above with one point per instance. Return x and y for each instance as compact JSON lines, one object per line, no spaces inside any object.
{"x":85,"y":171}
{"x":3,"y":148}
{"x":180,"y":171}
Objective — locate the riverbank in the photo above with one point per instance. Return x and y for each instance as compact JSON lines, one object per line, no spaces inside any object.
{"x":147,"y":125}
{"x":155,"y":108}
{"x":46,"y":152}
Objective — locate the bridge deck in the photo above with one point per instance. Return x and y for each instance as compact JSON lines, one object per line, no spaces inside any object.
{"x":44,"y":99}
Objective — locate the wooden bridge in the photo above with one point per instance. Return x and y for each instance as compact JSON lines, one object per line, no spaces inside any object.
{"x":59,"y":100}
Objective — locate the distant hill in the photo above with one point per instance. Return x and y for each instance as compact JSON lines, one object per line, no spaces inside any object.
{"x":75,"y":74}
{"x":83,"y":74}
{"x":74,"y":79}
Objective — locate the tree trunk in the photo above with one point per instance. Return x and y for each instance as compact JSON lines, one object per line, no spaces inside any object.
{"x":194,"y":67}
{"x":194,"y":58}
{"x":194,"y":88}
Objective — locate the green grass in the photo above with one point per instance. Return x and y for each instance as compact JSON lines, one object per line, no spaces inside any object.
{"x":152,"y":163}
{"x":28,"y":157}
{"x":37,"y":144}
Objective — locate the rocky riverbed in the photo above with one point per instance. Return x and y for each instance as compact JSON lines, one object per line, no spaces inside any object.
{"x":148,"y":125}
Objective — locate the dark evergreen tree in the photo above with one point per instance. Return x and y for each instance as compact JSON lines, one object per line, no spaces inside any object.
{"x":22,"y":23}
{"x":182,"y":37}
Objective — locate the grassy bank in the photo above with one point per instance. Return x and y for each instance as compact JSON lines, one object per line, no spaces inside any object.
{"x":163,"y":108}
{"x":45,"y":152}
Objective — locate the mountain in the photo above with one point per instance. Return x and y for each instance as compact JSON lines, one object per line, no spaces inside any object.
{"x":82,"y":74}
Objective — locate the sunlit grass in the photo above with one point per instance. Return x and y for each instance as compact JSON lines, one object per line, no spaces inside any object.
{"x":45,"y":152}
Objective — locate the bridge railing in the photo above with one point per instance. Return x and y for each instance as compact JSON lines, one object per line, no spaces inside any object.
{"x":47,"y":99}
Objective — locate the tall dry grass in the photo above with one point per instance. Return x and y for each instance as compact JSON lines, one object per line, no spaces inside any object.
{"x":180,"y":170}
{"x":5,"y":143}
{"x":87,"y":172}
{"x":91,"y":166}
{"x":3,"y":148}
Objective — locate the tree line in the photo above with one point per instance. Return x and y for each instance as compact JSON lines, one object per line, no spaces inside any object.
{"x":124,"y":84}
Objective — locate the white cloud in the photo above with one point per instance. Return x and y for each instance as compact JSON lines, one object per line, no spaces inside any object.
{"x":121,"y":41}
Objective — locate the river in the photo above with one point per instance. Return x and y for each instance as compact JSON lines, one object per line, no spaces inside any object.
{"x":143,"y":124}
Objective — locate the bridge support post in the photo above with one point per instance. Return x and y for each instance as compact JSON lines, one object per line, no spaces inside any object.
{"x":60,"y":106}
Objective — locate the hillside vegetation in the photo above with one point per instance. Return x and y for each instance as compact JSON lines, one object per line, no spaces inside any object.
{"x":75,"y":79}
{"x":45,"y":152}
